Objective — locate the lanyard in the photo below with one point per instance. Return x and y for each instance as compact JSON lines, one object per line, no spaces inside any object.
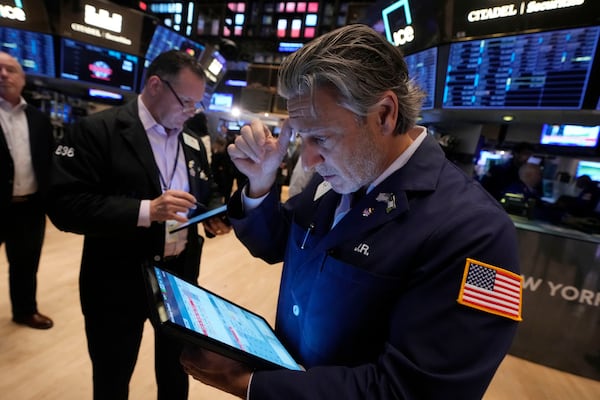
{"x":166,"y":185}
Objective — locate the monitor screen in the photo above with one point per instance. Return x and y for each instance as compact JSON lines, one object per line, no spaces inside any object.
{"x":422,"y":69}
{"x":94,"y":64}
{"x":165,"y":39}
{"x":215,"y":67}
{"x":104,"y":94}
{"x":543,"y":70}
{"x":221,"y":102}
{"x":570,"y":135}
{"x":591,"y":168}
{"x":33,"y":50}
{"x":288,"y":47}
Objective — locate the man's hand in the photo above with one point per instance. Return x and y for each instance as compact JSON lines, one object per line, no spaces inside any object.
{"x":171,"y":205}
{"x":258,"y":154}
{"x":216,"y":226}
{"x":216,"y":370}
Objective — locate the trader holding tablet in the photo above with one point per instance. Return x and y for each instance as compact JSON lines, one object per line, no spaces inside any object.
{"x":400,"y":277}
{"x":123,"y":177}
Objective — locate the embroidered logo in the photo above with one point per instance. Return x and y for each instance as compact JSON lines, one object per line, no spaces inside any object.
{"x":491,"y":289}
{"x":362,"y":248}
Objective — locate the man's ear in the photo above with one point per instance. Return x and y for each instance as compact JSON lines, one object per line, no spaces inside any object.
{"x":152,"y":84}
{"x":387,"y":113}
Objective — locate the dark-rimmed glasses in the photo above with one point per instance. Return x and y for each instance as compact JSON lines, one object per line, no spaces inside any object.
{"x":191,"y":107}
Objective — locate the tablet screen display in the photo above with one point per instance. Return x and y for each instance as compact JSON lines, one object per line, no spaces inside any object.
{"x":227,"y":327}
{"x":199,"y":218}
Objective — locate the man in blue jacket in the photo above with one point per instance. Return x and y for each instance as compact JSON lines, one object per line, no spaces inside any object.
{"x":400,"y":276}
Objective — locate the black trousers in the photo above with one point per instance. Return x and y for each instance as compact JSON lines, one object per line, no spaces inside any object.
{"x":114,"y":338}
{"x":23,"y":235}
{"x":114,"y":343}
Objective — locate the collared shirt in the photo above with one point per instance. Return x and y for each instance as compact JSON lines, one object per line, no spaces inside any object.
{"x":250,"y":203}
{"x":16,"y":131}
{"x":167,"y":150}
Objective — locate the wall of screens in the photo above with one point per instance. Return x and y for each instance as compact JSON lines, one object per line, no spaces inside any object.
{"x":34,"y":50}
{"x":544,"y":70}
{"x":422,"y":67}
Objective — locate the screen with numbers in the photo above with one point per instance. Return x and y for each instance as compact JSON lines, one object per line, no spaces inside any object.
{"x":544,"y":70}
{"x":33,"y":50}
{"x":422,"y":68}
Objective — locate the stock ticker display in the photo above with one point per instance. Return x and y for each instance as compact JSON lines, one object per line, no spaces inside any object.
{"x":545,"y":70}
{"x":422,"y":69}
{"x":34,"y":50}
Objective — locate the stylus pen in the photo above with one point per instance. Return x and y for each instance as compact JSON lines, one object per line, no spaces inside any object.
{"x":310,"y":228}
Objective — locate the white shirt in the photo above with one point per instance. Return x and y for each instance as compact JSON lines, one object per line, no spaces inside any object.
{"x":16,"y":131}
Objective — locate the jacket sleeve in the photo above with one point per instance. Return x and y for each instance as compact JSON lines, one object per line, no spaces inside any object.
{"x":264,"y":230}
{"x":85,"y":195}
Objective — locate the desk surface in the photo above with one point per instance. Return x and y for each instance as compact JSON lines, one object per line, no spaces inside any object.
{"x":551,"y":229}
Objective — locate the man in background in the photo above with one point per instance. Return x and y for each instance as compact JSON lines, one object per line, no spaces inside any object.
{"x":26,"y":145}
{"x":122,"y":178}
{"x":500,"y":176}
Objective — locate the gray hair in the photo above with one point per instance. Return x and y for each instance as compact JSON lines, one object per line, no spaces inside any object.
{"x":360,"y":64}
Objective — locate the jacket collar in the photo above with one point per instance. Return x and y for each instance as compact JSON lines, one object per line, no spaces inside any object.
{"x":386,"y":201}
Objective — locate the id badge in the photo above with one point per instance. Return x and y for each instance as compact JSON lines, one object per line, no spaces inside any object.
{"x":171,"y":237}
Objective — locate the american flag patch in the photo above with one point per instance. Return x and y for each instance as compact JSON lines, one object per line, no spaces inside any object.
{"x":491,"y":289}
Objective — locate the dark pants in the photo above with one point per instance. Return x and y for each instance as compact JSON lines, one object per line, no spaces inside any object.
{"x":23,"y":235}
{"x":113,"y":344}
{"x":114,"y":337}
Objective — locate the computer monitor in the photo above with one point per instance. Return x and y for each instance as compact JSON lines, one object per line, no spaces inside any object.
{"x":98,"y":65}
{"x":33,"y":50}
{"x":570,"y":135}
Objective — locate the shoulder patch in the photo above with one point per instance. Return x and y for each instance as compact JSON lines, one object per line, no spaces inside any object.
{"x":491,"y":289}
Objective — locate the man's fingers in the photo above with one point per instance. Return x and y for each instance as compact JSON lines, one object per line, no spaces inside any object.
{"x":285,"y":136}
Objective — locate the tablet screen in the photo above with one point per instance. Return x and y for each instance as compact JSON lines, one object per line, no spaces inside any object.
{"x":227,"y":327}
{"x":199,"y":218}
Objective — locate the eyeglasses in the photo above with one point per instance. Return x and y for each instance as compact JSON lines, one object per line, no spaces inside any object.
{"x":188,"y":106}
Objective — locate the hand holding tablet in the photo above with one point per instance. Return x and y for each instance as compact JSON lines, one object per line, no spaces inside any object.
{"x":205,"y":319}
{"x":199,"y":218}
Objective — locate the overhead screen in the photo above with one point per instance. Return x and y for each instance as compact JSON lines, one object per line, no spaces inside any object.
{"x":570,"y":135}
{"x":544,"y":70}
{"x":165,"y":39}
{"x":34,"y":50}
{"x":422,"y":68}
{"x":94,"y":64}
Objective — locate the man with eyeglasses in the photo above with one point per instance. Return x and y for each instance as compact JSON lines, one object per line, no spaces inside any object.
{"x":123,"y":177}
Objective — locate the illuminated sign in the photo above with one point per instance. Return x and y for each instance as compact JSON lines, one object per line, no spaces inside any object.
{"x":13,"y":13}
{"x":96,"y":21}
{"x":522,"y":8}
{"x":406,"y":33}
{"x":25,"y":14}
{"x":102,"y":23}
{"x":102,"y":19}
{"x":100,"y":70}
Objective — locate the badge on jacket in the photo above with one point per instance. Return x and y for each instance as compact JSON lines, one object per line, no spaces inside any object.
{"x":491,"y":289}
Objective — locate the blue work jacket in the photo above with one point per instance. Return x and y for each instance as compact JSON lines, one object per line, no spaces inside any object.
{"x":370,"y":307}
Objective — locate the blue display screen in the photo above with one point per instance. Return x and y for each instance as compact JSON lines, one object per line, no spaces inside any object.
{"x":544,"y":70}
{"x":165,"y":39}
{"x":422,"y":68}
{"x":206,"y":314}
{"x":94,"y":64}
{"x":33,"y":50}
{"x":570,"y":135}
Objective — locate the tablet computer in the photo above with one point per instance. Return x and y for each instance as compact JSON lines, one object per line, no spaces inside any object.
{"x":199,"y":218}
{"x":205,"y":319}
